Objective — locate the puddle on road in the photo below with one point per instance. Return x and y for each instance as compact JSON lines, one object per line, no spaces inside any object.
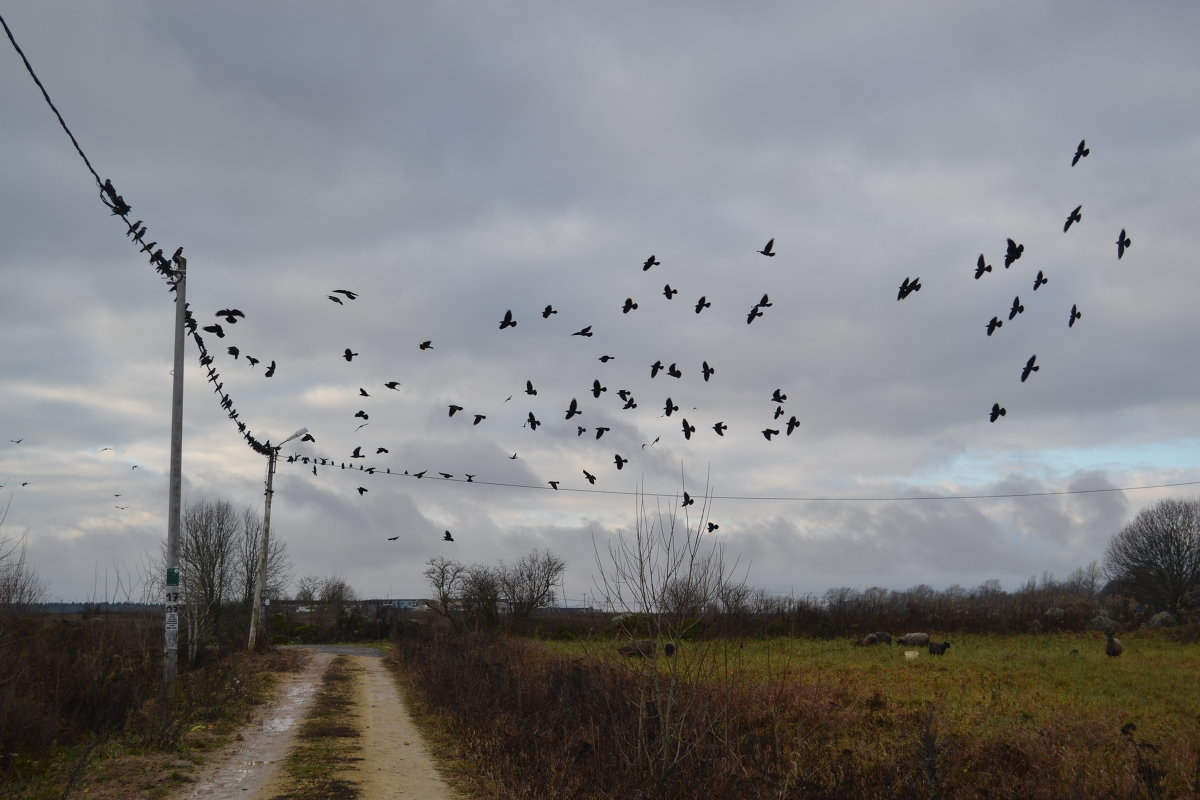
{"x":278,"y":725}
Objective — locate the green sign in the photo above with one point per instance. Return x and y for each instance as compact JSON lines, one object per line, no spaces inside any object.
{"x":172,"y":576}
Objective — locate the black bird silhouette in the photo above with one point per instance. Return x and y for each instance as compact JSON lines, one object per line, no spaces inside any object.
{"x":688,"y":430}
{"x":908,"y":287}
{"x":447,"y":537}
{"x":146,"y":248}
{"x":337,"y":300}
{"x":362,"y":490}
{"x":362,"y":415}
{"x":630,"y":403}
{"x":720,"y":428}
{"x":605,"y":359}
{"x":687,"y":500}
{"x":1081,"y":151}
{"x":600,"y":431}
{"x":586,"y":331}
{"x":393,"y":538}
{"x":668,"y":292}
{"x":620,"y":462}
{"x":765,"y":302}
{"x":215,"y":329}
{"x":707,"y":370}
{"x":629,"y":305}
{"x":513,"y":457}
{"x":656,"y":438}
{"x":349,"y":294}
{"x":654,"y":369}
{"x":778,"y":396}
{"x":778,"y":412}
{"x":997,"y":412}
{"x":230,"y":315}
{"x":673,"y":371}
{"x":769,"y":249}
{"x":1017,"y":308}
{"x":573,"y":409}
{"x":421,"y":474}
{"x":1012,"y":253}
{"x":363,"y":392}
{"x":994,"y":323}
{"x":792,"y":424}
{"x":1075,"y":314}
{"x":133,"y":228}
{"x":650,"y":262}
{"x":581,"y":430}
{"x":470,"y":477}
{"x":393,"y":385}
{"x":233,"y":351}
{"x":529,"y":390}
{"x":1029,"y":367}
{"x":270,"y":373}
{"x":553,"y":485}
{"x":755,"y":312}
{"x":426,"y":345}
{"x":769,"y":432}
{"x":597,"y":389}
{"x":1040,"y":280}
{"x":479,"y":418}
{"x":670,"y":407}
{"x":381,"y":450}
{"x":348,"y":355}
{"x":981,"y":266}
{"x":308,"y":437}
{"x":445,"y":475}
{"x":532,"y":422}
{"x":1123,"y":243}
{"x":547,"y":311}
{"x":508,"y":321}
{"x":357,"y":452}
{"x":455,"y":409}
{"x":590,"y":477}
{"x":1073,"y":217}
{"x":702,"y":304}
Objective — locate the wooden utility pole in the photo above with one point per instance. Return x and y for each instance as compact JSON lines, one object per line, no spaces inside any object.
{"x":172,"y":596}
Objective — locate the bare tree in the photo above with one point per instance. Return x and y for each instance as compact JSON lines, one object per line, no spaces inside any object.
{"x":1156,"y":557}
{"x":336,"y":595}
{"x":308,"y":589}
{"x":207,"y":548}
{"x":445,"y":576}
{"x":480,"y":594}
{"x":20,"y":584}
{"x":279,"y":563}
{"x":529,"y":584}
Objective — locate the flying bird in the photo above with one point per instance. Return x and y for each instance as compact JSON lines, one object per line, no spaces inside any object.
{"x":362,"y":415}
{"x":1012,"y":253}
{"x":508,"y":321}
{"x":586,"y":331}
{"x":553,"y":485}
{"x":337,"y":300}
{"x":308,"y":437}
{"x":393,"y":538}
{"x":447,"y":537}
{"x":349,"y":294}
{"x":765,"y":302}
{"x":668,"y":292}
{"x":792,"y":424}
{"x":1017,"y":308}
{"x":997,"y":412}
{"x":597,"y":389}
{"x":479,"y":418}
{"x":687,"y":500}
{"x":393,"y":385}
{"x":590,"y":477}
{"x":655,"y":368}
{"x":605,"y":359}
{"x":650,"y":262}
{"x":994,"y":323}
{"x":547,"y":311}
{"x":381,"y":450}
{"x":1072,"y":218}
{"x":573,"y":409}
{"x":1081,"y":151}
{"x":270,"y":373}
{"x":755,"y":312}
{"x":981,"y":266}
{"x":362,"y":490}
{"x":363,"y":392}
{"x":1123,"y":243}
{"x":513,"y":457}
{"x":769,"y":249}
{"x":445,"y":475}
{"x":908,"y":287}
{"x":1029,"y":367}
{"x":252,"y":361}
{"x":233,"y":351}
{"x":712,"y":526}
{"x":720,"y":428}
{"x":702,"y":304}
{"x":688,"y":430}
{"x":215,"y":329}
{"x":670,"y":407}
{"x":673,"y":371}
{"x":532,"y":422}
{"x":707,"y":370}
{"x":601,"y":430}
{"x":426,"y":345}
{"x":1075,"y":314}
{"x":357,"y":452}
{"x":348,"y":355}
{"x":769,"y":432}
{"x":529,"y":390}
{"x":620,"y":462}
{"x":230,"y":315}
{"x":778,"y":396}
{"x":454,"y":409}
{"x":1040,"y":280}
{"x":629,"y":305}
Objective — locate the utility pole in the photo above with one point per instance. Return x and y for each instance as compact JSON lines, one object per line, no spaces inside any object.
{"x":261,"y":575}
{"x":172,"y":597}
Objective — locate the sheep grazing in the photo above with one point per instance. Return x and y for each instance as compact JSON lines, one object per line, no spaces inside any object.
{"x":646,"y":648}
{"x":1113,"y":646}
{"x":883,"y":636}
{"x":868,"y":640}
{"x":936,"y":649}
{"x":913,"y":638}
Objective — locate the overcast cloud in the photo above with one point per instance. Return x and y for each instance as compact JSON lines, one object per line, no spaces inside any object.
{"x":453,"y":161}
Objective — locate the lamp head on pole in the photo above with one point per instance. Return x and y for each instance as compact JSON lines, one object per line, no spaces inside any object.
{"x":298,"y":433}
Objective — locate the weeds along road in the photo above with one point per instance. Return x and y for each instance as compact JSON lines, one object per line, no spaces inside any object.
{"x":392,"y":761}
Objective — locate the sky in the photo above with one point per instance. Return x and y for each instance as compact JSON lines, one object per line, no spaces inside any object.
{"x":452,"y":162}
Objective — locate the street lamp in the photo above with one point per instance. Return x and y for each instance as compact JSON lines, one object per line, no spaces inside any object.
{"x":261,"y":576}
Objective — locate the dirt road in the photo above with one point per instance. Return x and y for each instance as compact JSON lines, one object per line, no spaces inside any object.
{"x":396,"y":763}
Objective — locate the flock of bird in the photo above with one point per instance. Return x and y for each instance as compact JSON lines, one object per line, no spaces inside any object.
{"x":1012,"y":253}
{"x":602,"y":402}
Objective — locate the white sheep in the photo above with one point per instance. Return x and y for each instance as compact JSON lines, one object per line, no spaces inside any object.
{"x":913,"y":638}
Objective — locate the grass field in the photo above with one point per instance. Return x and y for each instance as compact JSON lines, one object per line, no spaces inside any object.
{"x":995,"y":706}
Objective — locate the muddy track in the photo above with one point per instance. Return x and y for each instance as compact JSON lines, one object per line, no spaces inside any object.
{"x":395,"y":761}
